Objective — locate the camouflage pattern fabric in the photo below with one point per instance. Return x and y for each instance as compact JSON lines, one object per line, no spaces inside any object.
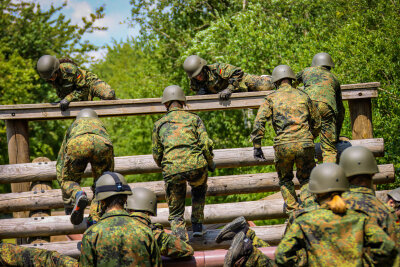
{"x":175,"y":187}
{"x":11,"y":255}
{"x":257,"y":242}
{"x":118,"y":240}
{"x":257,"y":259}
{"x":181,"y":143}
{"x":221,"y":76}
{"x":285,"y":157}
{"x":323,"y":87}
{"x":364,"y":199}
{"x":169,"y":245}
{"x":335,"y":240}
{"x":76,"y":84}
{"x":294,"y":118}
{"x":85,"y":141}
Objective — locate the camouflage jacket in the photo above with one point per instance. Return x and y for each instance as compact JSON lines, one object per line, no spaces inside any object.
{"x":335,"y":240}
{"x":321,"y":85}
{"x":73,"y":83}
{"x":294,"y":117}
{"x":117,"y":240}
{"x":169,"y":245}
{"x":219,"y":76}
{"x":80,"y":127}
{"x":364,"y":199}
{"x":181,"y":142}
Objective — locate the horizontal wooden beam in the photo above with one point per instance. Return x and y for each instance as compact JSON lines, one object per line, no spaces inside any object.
{"x":217,"y":186}
{"x":129,"y":107}
{"x":213,"y":213}
{"x":224,"y":158}
{"x":271,"y":234}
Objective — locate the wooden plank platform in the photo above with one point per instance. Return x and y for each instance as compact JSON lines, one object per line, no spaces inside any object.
{"x":129,"y":107}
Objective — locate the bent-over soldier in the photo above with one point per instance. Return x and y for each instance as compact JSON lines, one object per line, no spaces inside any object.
{"x":86,"y":140}
{"x":221,"y":78}
{"x":324,"y":90}
{"x":182,"y":148}
{"x":71,"y":82}
{"x":296,"y":123}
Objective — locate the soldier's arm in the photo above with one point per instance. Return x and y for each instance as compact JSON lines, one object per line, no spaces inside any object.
{"x":170,"y":245}
{"x":263,"y":115}
{"x":315,"y":119}
{"x":155,"y":253}
{"x":77,"y":79}
{"x":232,"y":73}
{"x":340,"y":107}
{"x":157,"y":147}
{"x":205,"y":141}
{"x":60,"y":157}
{"x":87,"y":253}
{"x":286,"y":252}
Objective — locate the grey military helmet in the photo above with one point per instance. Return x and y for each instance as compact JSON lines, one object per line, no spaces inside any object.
{"x":322,"y":59}
{"x":193,"y":65}
{"x":395,"y":194}
{"x":281,"y":72}
{"x":328,"y":177}
{"x":87,"y":113}
{"x":47,"y":65}
{"x":110,"y":184}
{"x":357,"y":160}
{"x":142,"y":199}
{"x":173,"y":92}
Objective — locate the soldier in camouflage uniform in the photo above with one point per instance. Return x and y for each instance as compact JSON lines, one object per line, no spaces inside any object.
{"x":141,"y":205}
{"x":222,"y":78}
{"x":324,"y":90}
{"x":182,"y":148}
{"x":117,"y":239}
{"x":11,"y":255}
{"x":86,"y":140}
{"x":296,"y":123}
{"x":71,"y":82}
{"x":393,"y":201}
{"x":359,"y":165}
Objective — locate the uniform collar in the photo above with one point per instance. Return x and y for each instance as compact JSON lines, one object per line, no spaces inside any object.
{"x":174,"y":109}
{"x":362,"y":189}
{"x":285,"y":87}
{"x":141,"y":216}
{"x":114,"y":213}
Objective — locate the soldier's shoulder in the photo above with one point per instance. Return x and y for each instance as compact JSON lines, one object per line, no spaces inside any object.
{"x":305,"y":211}
{"x":68,"y":68}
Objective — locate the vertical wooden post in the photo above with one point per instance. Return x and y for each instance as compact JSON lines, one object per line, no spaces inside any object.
{"x":18,"y":152}
{"x":361,"y":118}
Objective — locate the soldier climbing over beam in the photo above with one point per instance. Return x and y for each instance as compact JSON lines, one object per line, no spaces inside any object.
{"x":324,"y":90}
{"x":86,"y":140}
{"x":182,"y":148}
{"x":296,"y":122}
{"x":221,"y":78}
{"x":71,"y":82}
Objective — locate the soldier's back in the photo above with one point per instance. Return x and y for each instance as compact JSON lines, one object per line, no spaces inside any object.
{"x":88,"y":126}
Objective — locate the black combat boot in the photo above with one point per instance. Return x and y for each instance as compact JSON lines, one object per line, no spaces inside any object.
{"x":197,"y":229}
{"x":231,"y":229}
{"x":81,"y":201}
{"x":240,"y":249}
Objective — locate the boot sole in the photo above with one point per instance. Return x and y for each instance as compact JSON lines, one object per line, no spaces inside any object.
{"x":233,"y":226}
{"x":234,"y":249}
{"x":79,"y":210}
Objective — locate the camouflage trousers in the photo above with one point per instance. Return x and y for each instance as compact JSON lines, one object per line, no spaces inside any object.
{"x":252,"y":82}
{"x":257,"y":259}
{"x":286,"y":155}
{"x":257,"y":242}
{"x":175,"y":187}
{"x":11,"y":255}
{"x":101,"y":90}
{"x":80,"y":151}
{"x":170,"y":245}
{"x":329,"y":134}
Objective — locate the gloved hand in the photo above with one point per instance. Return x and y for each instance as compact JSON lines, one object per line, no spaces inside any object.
{"x":202,"y":91}
{"x":258,"y":154}
{"x":64,"y":104}
{"x":211,"y":167}
{"x":225,"y":94}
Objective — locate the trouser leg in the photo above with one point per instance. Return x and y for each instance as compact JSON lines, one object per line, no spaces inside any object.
{"x":198,"y":181}
{"x":102,"y":90}
{"x":328,"y":135}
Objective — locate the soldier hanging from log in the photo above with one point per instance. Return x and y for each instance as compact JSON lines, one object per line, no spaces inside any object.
{"x":221,"y":78}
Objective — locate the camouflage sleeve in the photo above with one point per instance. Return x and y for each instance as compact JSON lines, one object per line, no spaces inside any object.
{"x":77,"y":78}
{"x":205,"y":141}
{"x":157,"y":147}
{"x":286,"y":252}
{"x":170,"y":245}
{"x":341,"y":109}
{"x":60,"y":157}
{"x":263,"y":114}
{"x":193,"y":86}
{"x":232,"y":73}
{"x":382,"y":248}
{"x":155,"y":253}
{"x":315,"y":119}
{"x":87,"y":253}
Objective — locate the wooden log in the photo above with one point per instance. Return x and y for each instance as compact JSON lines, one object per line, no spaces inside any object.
{"x":271,"y":234}
{"x":127,"y":107}
{"x":217,"y":186}
{"x":361,"y":118}
{"x":224,"y":158}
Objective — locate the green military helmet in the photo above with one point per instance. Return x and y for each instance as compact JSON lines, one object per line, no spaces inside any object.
{"x":47,"y":65}
{"x":358,"y":160}
{"x":395,"y":194}
{"x":110,"y":184}
{"x":193,"y":65}
{"x":322,"y":59}
{"x":328,"y":177}
{"x":173,"y":92}
{"x":87,"y":113}
{"x":142,"y":199}
{"x":281,"y":72}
